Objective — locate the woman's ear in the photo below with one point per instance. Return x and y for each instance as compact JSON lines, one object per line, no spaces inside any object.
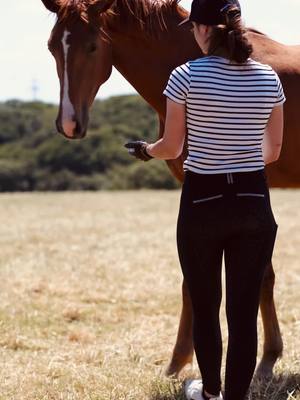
{"x":203,"y":29}
{"x":207,"y":30}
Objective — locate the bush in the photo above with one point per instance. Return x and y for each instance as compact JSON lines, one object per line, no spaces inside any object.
{"x":32,"y":157}
{"x":153,"y":175}
{"x":14,"y":176}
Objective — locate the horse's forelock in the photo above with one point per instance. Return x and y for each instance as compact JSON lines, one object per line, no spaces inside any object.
{"x":73,"y":7}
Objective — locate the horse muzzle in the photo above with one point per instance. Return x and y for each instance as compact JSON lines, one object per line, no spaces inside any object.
{"x":71,"y":128}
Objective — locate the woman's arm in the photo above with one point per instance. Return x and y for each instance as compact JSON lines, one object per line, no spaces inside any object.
{"x":170,"y":146}
{"x":272,"y":141}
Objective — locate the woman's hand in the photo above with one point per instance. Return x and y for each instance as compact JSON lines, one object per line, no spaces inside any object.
{"x":138,"y":150}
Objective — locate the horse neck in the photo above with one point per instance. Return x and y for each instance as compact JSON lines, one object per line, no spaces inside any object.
{"x":146,"y":60}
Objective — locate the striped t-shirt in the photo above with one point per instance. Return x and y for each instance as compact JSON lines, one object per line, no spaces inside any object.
{"x":228,"y":106}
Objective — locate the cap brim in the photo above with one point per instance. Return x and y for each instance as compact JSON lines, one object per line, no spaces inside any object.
{"x":185,"y":21}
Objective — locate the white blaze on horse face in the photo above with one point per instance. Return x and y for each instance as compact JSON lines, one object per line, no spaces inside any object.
{"x":68,"y":111}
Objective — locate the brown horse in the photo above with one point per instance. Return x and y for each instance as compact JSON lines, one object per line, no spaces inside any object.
{"x":141,"y":38}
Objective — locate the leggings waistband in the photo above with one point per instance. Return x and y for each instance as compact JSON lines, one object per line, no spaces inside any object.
{"x":226,"y":178}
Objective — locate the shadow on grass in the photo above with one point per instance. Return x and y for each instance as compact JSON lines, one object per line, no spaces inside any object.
{"x":279,"y":387}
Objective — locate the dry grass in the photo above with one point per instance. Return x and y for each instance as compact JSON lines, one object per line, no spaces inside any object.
{"x":90,"y":296}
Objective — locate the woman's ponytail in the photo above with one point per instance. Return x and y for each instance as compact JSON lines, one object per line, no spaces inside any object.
{"x":230,"y":37}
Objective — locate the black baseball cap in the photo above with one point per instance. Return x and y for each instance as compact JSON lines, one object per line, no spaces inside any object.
{"x":210,"y":12}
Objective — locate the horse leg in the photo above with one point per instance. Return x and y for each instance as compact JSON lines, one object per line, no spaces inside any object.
{"x":272,"y":337}
{"x":184,"y":348}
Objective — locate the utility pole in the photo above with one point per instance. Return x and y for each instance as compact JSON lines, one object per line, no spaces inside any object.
{"x":34,"y":89}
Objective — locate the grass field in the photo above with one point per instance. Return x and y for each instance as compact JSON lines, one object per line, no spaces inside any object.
{"x":90,"y":296}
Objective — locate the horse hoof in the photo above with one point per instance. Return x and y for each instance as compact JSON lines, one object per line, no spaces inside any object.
{"x":176,"y":366}
{"x":264,"y":371}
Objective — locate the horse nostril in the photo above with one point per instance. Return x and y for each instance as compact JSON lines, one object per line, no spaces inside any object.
{"x":59,"y":126}
{"x":78,"y":128}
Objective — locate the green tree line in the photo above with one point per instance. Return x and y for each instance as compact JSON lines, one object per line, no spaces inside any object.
{"x":33,"y":156}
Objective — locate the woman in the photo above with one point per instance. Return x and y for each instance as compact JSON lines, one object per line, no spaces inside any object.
{"x":231,"y":108}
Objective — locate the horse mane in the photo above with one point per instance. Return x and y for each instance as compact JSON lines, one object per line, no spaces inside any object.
{"x":150,"y":14}
{"x":253,"y":30}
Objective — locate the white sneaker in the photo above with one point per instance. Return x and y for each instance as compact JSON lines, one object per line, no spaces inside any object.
{"x":193,"y":390}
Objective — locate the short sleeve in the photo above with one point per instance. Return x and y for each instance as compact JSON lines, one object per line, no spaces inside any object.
{"x":280,"y":93}
{"x":178,"y":84}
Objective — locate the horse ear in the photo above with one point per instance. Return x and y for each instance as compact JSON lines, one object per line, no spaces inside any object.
{"x":51,"y":5}
{"x":99,"y":6}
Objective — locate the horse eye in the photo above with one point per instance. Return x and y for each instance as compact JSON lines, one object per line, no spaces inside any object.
{"x":92,"y":48}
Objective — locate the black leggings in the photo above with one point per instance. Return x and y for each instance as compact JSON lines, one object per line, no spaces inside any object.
{"x":228,"y":213}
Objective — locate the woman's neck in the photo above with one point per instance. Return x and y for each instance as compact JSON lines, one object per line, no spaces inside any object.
{"x":219,"y":52}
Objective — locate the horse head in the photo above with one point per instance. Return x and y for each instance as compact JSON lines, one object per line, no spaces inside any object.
{"x":83,"y":58}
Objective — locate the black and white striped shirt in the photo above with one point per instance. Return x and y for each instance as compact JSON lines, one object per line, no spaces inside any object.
{"x":227,"y":109}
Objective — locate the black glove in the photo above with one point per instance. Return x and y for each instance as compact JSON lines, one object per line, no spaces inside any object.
{"x":137,"y":149}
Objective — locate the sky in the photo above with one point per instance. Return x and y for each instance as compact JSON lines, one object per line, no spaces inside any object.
{"x":28,"y":69}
